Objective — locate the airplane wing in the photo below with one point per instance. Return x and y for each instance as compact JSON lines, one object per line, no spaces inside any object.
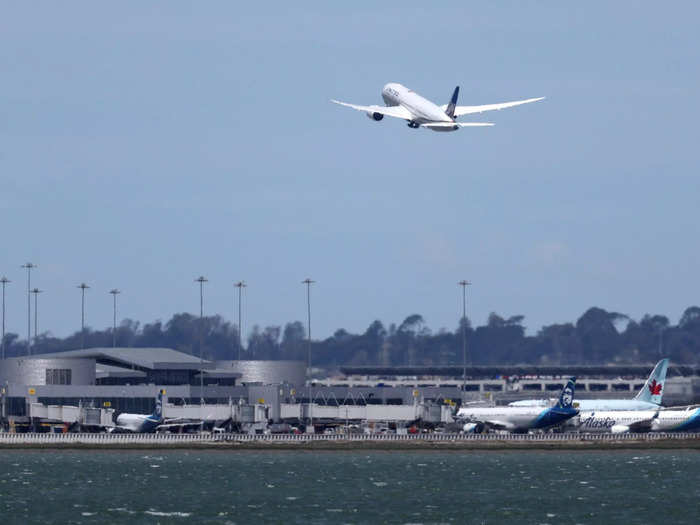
{"x":642,"y":426}
{"x":389,"y":111}
{"x":467,"y":110}
{"x":499,"y":425}
{"x":179,"y":423}
{"x":491,"y":423}
{"x":119,"y":430}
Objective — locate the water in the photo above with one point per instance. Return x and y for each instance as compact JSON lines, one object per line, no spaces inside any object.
{"x":349,"y":487}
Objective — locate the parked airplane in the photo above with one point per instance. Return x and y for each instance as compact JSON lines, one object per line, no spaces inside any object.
{"x":619,"y":421}
{"x":520,"y":419}
{"x":677,"y":420}
{"x":420,"y":112}
{"x":648,"y":398}
{"x":143,"y":423}
{"x":614,"y":421}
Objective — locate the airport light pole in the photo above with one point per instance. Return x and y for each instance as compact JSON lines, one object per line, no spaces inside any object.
{"x":308,"y":282}
{"x":201,"y":280}
{"x":240,"y":285}
{"x":29,"y":267}
{"x":464,"y":283}
{"x":36,"y":293}
{"x":114,"y":293}
{"x":4,"y":280}
{"x":82,"y":287}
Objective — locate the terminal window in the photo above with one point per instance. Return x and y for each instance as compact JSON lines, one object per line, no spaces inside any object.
{"x":58,"y":376}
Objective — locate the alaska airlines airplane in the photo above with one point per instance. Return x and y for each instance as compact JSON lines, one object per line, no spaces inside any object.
{"x":648,"y":398}
{"x":520,"y":419}
{"x":687,"y":420}
{"x":143,"y":423}
{"x":618,"y":421}
{"x":420,"y":112}
{"x":614,"y":421}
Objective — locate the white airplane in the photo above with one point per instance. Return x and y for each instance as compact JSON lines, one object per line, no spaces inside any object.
{"x":614,"y":421}
{"x":677,"y":420}
{"x":648,"y":398}
{"x":520,"y":419}
{"x":143,"y":423}
{"x":619,"y":421}
{"x":420,"y":112}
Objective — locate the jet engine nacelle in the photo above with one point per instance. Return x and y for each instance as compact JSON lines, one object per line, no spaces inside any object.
{"x":469,"y":427}
{"x":619,"y":429}
{"x":373,"y":115}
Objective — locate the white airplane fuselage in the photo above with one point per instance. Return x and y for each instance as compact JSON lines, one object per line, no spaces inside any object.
{"x":618,"y":421}
{"x":422,"y":109}
{"x":592,"y":404}
{"x":137,"y":422}
{"x":677,"y":420}
{"x":611,"y":421}
{"x":516,"y":418}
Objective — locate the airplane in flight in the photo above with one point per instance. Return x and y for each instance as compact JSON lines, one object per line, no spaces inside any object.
{"x":420,"y":112}
{"x":648,"y":398}
{"x":520,"y":419}
{"x":145,"y":423}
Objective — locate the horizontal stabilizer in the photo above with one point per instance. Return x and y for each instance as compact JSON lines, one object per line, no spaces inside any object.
{"x":473,"y":124}
{"x":453,"y":125}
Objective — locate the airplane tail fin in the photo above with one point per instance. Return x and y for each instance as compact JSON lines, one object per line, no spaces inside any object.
{"x":653,"y":389}
{"x":453,"y":103}
{"x":566,"y":398}
{"x":158,"y":412}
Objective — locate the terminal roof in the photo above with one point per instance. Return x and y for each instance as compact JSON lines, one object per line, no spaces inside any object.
{"x":143,"y":358}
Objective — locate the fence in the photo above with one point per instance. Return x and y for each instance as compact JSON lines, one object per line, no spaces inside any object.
{"x":198,"y":439}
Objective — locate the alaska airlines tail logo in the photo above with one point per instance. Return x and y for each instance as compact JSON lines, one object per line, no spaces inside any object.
{"x":655,"y":388}
{"x":567,"y":394}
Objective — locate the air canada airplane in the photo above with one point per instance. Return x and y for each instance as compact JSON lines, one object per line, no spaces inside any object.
{"x":648,"y":398}
{"x":420,"y":112}
{"x":520,"y":419}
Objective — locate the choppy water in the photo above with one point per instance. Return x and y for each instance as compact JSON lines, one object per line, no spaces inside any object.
{"x":349,"y":487}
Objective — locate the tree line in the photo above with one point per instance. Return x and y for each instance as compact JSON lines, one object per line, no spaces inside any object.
{"x":597,"y":337}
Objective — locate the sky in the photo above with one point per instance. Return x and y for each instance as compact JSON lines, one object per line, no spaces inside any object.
{"x":145,"y":144}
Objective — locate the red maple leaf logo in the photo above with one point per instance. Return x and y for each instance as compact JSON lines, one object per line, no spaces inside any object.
{"x":655,"y":388}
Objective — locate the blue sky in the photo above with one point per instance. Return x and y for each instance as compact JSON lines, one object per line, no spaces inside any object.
{"x":142,"y":145}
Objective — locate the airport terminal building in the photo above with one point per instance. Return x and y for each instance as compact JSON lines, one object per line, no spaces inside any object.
{"x":128,"y":379}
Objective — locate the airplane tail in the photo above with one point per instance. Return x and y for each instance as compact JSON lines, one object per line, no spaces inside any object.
{"x":653,"y":389}
{"x":450,"y":110}
{"x":158,"y":412}
{"x":566,"y":398}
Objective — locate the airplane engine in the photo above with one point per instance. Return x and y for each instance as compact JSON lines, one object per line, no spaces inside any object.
{"x":619,"y":429}
{"x":373,"y":115}
{"x":473,"y":428}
